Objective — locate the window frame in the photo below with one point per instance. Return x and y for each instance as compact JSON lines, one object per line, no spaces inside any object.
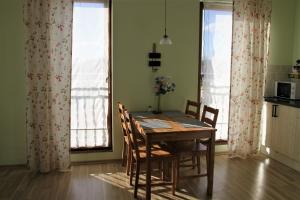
{"x":109,"y":115}
{"x":201,"y":8}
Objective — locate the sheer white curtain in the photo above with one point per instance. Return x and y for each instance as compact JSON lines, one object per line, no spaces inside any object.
{"x":48,"y":41}
{"x":250,"y":46}
{"x":216,"y":62}
{"x":90,"y":66}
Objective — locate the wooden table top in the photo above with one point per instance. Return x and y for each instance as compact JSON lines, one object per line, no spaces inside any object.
{"x":175,"y":126}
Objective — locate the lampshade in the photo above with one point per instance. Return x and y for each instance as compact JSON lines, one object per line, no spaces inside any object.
{"x":165,"y":40}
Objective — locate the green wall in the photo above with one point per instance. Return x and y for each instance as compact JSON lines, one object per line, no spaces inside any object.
{"x":282,"y":32}
{"x":12,"y":85}
{"x":136,"y":25}
{"x":296,"y":54}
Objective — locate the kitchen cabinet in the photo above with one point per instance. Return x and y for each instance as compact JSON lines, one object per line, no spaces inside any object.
{"x":284,"y":130}
{"x":281,"y":131}
{"x":297,"y":137}
{"x":267,"y":124}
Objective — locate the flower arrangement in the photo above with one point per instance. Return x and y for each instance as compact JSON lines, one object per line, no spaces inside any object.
{"x":163,"y":85}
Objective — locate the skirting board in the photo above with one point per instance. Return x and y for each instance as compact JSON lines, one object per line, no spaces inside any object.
{"x":96,"y":162}
{"x":281,"y":158}
{"x":13,"y":166}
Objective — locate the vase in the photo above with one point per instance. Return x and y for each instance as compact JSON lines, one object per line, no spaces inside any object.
{"x":158,"y":111}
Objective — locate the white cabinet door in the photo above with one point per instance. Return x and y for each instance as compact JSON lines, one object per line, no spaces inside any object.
{"x":297,"y":138}
{"x":275,"y":136}
{"x":267,"y":124}
{"x":283,"y":137}
{"x":281,"y":130}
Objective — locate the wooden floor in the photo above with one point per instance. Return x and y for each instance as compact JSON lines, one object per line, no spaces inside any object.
{"x":257,"y":178}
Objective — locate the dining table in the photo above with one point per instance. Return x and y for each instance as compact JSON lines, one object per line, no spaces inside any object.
{"x":175,"y":126}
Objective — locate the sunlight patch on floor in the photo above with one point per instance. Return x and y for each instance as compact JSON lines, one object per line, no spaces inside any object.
{"x":121,"y":180}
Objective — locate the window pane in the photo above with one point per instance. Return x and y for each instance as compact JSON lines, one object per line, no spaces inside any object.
{"x":216,"y":62}
{"x":90,"y":65}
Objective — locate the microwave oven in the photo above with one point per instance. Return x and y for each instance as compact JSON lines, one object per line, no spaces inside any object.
{"x":287,"y":90}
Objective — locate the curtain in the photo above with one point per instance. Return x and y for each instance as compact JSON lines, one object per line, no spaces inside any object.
{"x":48,"y":41}
{"x":250,"y":43}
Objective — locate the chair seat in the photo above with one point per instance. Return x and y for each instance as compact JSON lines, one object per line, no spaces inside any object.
{"x":156,"y":152}
{"x":187,"y":147}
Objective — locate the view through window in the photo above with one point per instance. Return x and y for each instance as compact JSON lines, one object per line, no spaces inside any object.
{"x":90,"y":75}
{"x":216,"y":63}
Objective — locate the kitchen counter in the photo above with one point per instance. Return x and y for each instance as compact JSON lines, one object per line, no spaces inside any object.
{"x":285,"y":102}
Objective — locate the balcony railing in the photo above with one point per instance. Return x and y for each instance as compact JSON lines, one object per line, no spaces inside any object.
{"x":89,"y":109}
{"x":218,"y":97}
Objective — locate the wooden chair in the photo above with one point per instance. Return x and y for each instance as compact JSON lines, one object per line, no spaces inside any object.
{"x":196,"y":148}
{"x":126,"y":152}
{"x":210,"y":121}
{"x":195,"y":114}
{"x":158,"y":154}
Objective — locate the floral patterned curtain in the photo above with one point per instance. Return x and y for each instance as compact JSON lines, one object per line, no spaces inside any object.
{"x":250,"y":43}
{"x":48,"y":25}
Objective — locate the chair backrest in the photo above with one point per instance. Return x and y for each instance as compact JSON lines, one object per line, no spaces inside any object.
{"x":196,"y":105}
{"x":121,"y":109}
{"x":132,"y":130}
{"x":212,"y":121}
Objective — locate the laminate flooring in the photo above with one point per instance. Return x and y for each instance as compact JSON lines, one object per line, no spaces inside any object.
{"x":235,"y":179}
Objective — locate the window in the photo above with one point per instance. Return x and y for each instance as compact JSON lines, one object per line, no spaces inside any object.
{"x":90,"y":88}
{"x":216,"y":62}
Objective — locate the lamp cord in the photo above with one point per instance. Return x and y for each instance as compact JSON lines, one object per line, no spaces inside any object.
{"x":165,"y":17}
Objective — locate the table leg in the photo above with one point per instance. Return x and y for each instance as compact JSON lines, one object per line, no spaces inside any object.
{"x":148,"y":168}
{"x":210,"y":179}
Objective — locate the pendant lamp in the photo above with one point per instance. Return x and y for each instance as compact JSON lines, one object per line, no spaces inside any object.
{"x":165,"y":40}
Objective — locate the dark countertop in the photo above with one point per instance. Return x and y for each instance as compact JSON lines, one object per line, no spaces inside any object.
{"x":285,"y":102}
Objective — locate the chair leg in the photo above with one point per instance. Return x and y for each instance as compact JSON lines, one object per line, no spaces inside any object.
{"x":177,"y":170}
{"x":131,"y":171}
{"x":167,"y":172}
{"x":207,"y":159}
{"x":161,"y":169}
{"x":198,"y":164}
{"x":129,"y":158}
{"x":193,"y":162}
{"x":137,"y":174}
{"x":124,"y":153}
{"x":174,"y":176}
